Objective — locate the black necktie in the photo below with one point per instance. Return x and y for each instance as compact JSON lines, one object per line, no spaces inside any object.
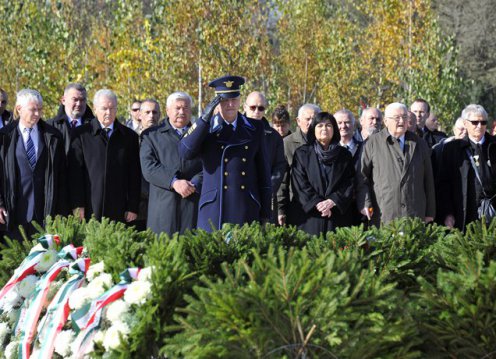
{"x":106,"y":133}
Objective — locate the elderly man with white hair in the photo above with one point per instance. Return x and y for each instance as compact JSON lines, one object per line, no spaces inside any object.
{"x":306,"y":114}
{"x":396,"y":178}
{"x":467,"y":171}
{"x":32,"y":153}
{"x":175,"y":184}
{"x":104,"y":168}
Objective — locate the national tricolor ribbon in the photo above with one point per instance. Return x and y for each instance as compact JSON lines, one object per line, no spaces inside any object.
{"x":27,"y":267}
{"x":87,"y":320}
{"x":37,"y":300}
{"x":58,"y":310}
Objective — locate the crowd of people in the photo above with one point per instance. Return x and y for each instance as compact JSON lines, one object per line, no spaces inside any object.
{"x":229,"y":166}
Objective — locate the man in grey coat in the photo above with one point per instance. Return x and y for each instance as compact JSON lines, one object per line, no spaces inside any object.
{"x":299,"y":138}
{"x":396,"y":178}
{"x":174,"y":182}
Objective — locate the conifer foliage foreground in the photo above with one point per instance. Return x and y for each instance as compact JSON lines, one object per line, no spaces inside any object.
{"x":406,"y":290}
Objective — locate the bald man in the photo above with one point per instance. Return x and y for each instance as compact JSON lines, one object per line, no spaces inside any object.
{"x":255,"y":107}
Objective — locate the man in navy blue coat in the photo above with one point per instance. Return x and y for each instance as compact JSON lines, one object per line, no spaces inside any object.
{"x":236,"y":171}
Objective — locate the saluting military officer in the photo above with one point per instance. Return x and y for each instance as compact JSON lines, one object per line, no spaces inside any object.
{"x":236,"y":173}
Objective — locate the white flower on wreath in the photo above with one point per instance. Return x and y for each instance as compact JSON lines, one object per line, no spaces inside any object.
{"x":37,"y":248}
{"x":12,"y":350}
{"x":99,"y":337}
{"x":94,"y":270}
{"x":4,"y":332}
{"x":47,"y":260}
{"x":138,"y":292}
{"x":79,"y":298}
{"x":63,"y":343}
{"x":114,"y":334}
{"x":13,"y":316}
{"x":26,"y":287}
{"x":99,"y":285}
{"x":145,"y":274}
{"x":117,"y":311}
{"x":11,"y":300}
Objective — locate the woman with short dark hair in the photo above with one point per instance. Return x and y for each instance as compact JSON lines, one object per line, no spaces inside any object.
{"x":322,"y":178}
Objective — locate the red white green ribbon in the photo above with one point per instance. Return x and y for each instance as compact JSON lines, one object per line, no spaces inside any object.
{"x":58,"y":310}
{"x":28,"y":265}
{"x":87,"y":319}
{"x":38,"y":298}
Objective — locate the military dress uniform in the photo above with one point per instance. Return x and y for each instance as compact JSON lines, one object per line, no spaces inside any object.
{"x":236,"y":171}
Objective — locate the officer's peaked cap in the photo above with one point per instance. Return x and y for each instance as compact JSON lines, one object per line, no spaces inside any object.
{"x":227,"y":86}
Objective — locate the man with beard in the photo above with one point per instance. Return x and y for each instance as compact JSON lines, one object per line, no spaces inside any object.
{"x":175,"y":184}
{"x":104,"y":168}
{"x":255,"y":106}
{"x":73,"y":112}
{"x":370,"y":121}
{"x":305,"y":115}
{"x":396,"y":177}
{"x":236,"y":171}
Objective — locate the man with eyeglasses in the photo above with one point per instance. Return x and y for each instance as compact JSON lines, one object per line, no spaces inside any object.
{"x":396,"y":177}
{"x":73,"y":112}
{"x":461,"y":191}
{"x":134,"y":121}
{"x":255,"y":106}
{"x":104,"y":167}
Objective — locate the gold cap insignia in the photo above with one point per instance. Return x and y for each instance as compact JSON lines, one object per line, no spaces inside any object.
{"x":229,"y":83}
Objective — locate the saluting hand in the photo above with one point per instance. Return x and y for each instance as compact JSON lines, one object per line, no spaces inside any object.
{"x":209,"y":110}
{"x":184,"y":188}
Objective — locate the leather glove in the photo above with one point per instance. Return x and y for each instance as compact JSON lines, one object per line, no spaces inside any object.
{"x":209,"y":110}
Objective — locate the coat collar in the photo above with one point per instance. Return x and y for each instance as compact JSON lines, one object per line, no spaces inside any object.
{"x":96,"y":128}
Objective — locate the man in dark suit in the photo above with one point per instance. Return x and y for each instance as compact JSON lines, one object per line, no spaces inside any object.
{"x":236,"y":172}
{"x":174,"y":183}
{"x":459,"y":189}
{"x":5,"y":116}
{"x":346,"y":125}
{"x":32,"y":153}
{"x":73,"y":112}
{"x":427,"y":129}
{"x":104,"y":165}
{"x":255,"y":106}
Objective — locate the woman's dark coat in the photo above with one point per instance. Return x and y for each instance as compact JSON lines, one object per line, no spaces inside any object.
{"x":309,"y":188}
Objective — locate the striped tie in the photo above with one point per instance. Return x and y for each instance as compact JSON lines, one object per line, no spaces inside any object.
{"x":30,"y":151}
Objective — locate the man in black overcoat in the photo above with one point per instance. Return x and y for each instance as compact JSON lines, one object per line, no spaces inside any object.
{"x":73,"y":112}
{"x":175,"y":184}
{"x":255,"y":106}
{"x":459,"y":189}
{"x":32,"y":182}
{"x":104,"y":166}
{"x":236,"y":172}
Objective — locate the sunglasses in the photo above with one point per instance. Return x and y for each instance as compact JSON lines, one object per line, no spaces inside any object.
{"x":475,"y":123}
{"x":260,"y":108}
{"x":135,"y":109}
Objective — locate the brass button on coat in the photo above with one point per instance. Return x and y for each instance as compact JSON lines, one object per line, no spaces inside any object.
{"x":226,"y":173}
{"x":225,"y":159}
{"x":244,"y":159}
{"x":225,"y":187}
{"x":242,"y":187}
